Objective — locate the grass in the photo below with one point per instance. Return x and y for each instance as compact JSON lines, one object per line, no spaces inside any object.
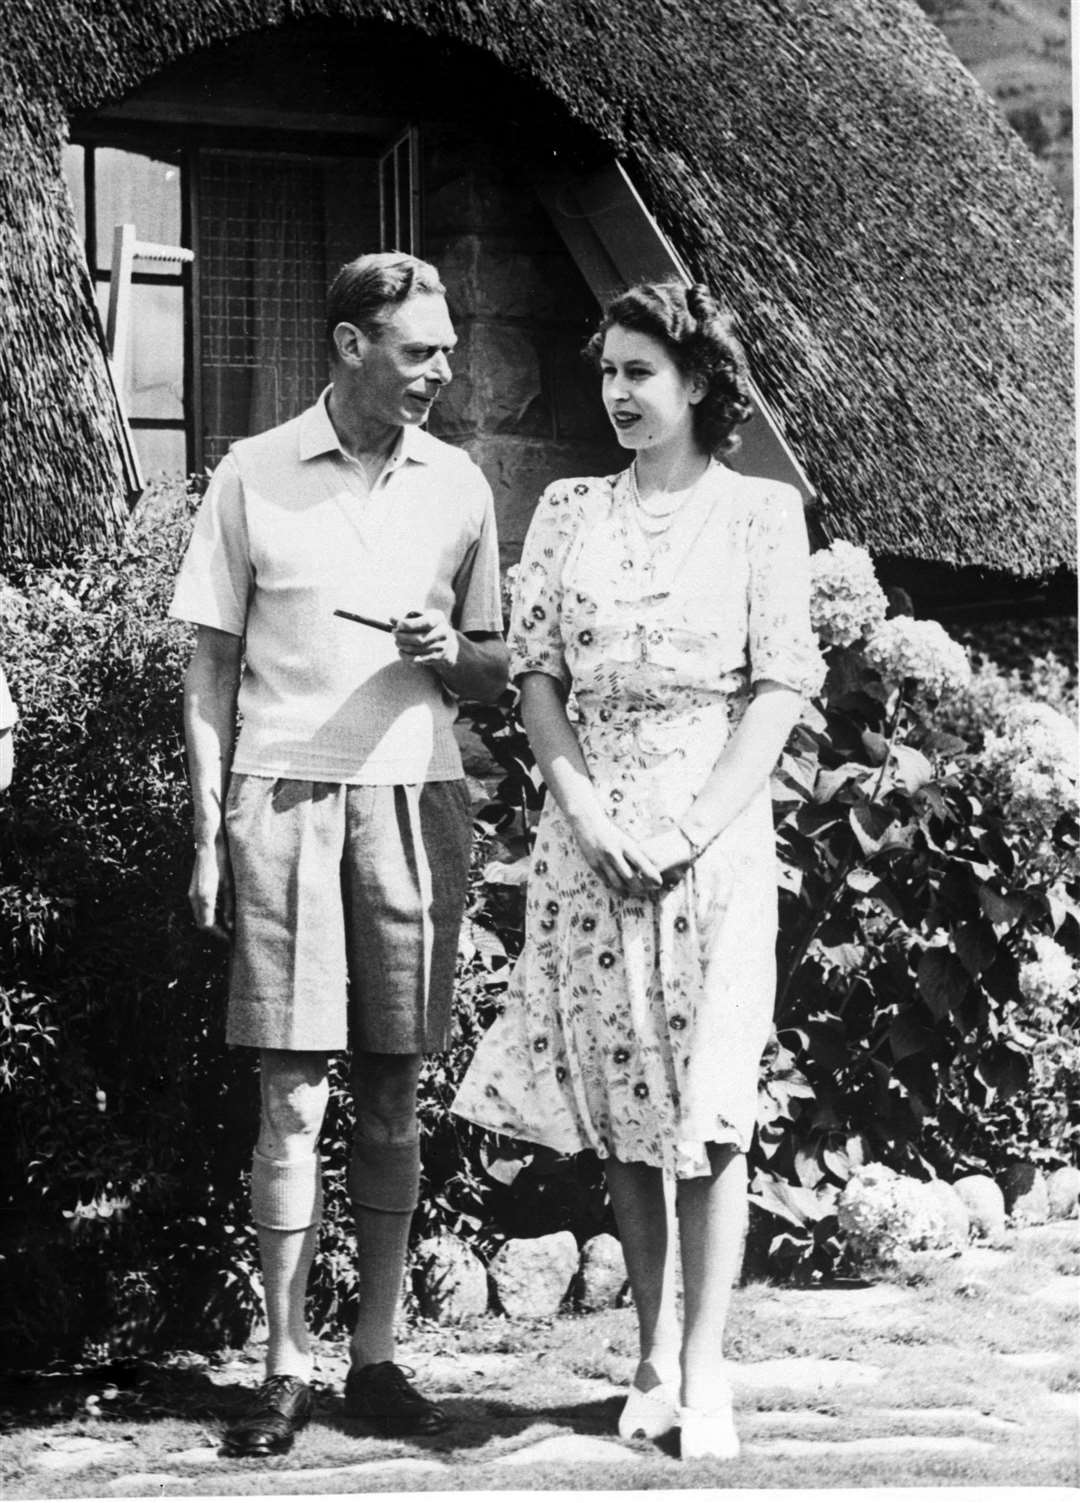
{"x":942,"y":1354}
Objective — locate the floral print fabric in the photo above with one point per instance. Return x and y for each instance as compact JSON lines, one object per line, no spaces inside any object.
{"x":635,"y":1026}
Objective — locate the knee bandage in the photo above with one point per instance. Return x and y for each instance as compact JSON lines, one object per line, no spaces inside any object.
{"x":384,"y":1176}
{"x":286,"y":1194}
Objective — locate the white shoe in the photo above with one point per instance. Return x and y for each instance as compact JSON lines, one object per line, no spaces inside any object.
{"x":647,"y":1416}
{"x":708,"y":1432}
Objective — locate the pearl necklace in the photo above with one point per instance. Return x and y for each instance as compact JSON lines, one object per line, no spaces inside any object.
{"x":655,"y":521}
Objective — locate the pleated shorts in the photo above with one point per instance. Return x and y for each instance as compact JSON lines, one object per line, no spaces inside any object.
{"x":349,"y":902}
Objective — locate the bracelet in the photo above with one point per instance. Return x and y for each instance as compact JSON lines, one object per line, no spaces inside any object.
{"x":695,"y":848}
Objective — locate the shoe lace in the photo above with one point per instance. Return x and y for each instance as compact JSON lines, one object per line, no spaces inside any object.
{"x":398,"y":1377}
{"x":279,"y":1383}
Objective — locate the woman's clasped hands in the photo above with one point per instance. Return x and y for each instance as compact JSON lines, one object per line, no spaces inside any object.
{"x":627,"y":865}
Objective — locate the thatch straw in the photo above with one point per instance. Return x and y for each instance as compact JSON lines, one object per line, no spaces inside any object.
{"x":898,"y":263}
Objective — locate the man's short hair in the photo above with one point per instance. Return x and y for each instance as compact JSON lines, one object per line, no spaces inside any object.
{"x":366,"y":291}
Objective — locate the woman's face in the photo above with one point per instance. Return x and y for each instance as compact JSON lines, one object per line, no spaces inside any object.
{"x":648,"y":398}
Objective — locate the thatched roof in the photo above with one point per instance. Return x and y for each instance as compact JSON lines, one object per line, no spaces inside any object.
{"x":897,"y":262}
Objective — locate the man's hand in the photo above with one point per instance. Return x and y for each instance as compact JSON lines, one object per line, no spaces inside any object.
{"x":427,"y":637}
{"x":210,"y":891}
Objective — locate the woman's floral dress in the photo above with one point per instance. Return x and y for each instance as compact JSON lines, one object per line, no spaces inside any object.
{"x":634,"y":1026}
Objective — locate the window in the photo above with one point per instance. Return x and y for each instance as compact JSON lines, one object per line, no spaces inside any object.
{"x":233,"y":343}
{"x":399,"y":195}
{"x":110,"y":187}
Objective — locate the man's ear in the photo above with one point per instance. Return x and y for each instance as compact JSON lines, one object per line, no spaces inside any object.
{"x":351,"y":344}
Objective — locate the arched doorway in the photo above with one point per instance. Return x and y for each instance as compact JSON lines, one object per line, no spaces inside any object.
{"x":282,"y":154}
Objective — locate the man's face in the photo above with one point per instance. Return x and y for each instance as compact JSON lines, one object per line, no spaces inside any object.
{"x":403,"y":371}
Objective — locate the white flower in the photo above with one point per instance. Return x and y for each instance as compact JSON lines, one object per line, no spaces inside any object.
{"x":884,"y":1216}
{"x":1047,"y":737}
{"x":1033,"y":764}
{"x":1051,"y":977}
{"x":903,"y":649}
{"x":507,"y":873}
{"x":846,"y":601}
{"x":509,"y":585}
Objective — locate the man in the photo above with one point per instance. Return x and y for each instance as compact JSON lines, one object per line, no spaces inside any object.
{"x":332,"y":846}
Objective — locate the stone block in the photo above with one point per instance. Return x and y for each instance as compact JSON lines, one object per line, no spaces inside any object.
{"x":518,"y":470}
{"x":504,"y":277}
{"x":532,"y":1274}
{"x":451,"y":1281}
{"x":470,"y":188}
{"x":985,"y":1204}
{"x":1063,"y":1193}
{"x":601,"y":1273}
{"x":1026,"y":1198}
{"x":497,"y":385}
{"x":954,"y":1212}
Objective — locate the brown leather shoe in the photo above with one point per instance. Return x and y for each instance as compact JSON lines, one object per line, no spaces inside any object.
{"x":382,"y":1393}
{"x":279,"y":1409}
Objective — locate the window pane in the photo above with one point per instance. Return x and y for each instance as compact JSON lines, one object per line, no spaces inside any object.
{"x":138,"y":190}
{"x":154,"y":371}
{"x":74,"y":158}
{"x":161,"y":451}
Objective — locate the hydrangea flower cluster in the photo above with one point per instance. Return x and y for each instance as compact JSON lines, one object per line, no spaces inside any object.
{"x":846,"y":601}
{"x":1051,"y":977}
{"x":1033,"y":762}
{"x":509,"y":584}
{"x":885,"y":1215}
{"x":903,"y":649}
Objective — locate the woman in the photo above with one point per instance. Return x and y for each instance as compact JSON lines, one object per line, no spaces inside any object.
{"x":672,"y":600}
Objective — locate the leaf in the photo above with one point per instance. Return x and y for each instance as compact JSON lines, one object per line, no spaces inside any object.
{"x":789,"y":877}
{"x":908,"y":1036}
{"x":795,"y":1204}
{"x":909,"y":769}
{"x":877,"y":746}
{"x":831,"y":779}
{"x":976,"y":945}
{"x":807,"y":1168}
{"x":945,"y":744}
{"x":860,"y":880}
{"x":1000,"y":908}
{"x":942,"y":981}
{"x":505,"y":1168}
{"x":871,"y":828}
{"x":838,"y":1163}
{"x":1005,"y":1070}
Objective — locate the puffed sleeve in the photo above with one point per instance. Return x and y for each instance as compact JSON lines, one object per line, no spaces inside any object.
{"x":781,"y":640}
{"x":535,"y":639}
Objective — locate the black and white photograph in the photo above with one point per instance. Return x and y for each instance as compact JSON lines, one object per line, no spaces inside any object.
{"x":539,"y":814}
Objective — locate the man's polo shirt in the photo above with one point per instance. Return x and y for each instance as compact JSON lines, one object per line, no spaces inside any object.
{"x":287,"y":533}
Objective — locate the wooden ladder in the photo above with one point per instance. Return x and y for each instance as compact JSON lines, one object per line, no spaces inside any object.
{"x":127,"y":249}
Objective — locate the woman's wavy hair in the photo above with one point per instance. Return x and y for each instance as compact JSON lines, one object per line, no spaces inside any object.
{"x":699,"y":336}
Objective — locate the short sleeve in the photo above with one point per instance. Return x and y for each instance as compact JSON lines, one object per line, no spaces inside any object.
{"x":216,"y":577}
{"x":9,"y":713}
{"x":782,"y":644}
{"x":536,"y":644}
{"x":477,"y":592}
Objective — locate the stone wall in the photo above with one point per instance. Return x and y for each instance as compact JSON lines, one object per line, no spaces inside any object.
{"x":523,"y":402}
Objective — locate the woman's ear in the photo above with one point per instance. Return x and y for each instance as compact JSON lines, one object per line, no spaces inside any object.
{"x":698,"y":388}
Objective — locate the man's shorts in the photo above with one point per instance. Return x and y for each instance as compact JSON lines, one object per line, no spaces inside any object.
{"x":349,"y":901}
